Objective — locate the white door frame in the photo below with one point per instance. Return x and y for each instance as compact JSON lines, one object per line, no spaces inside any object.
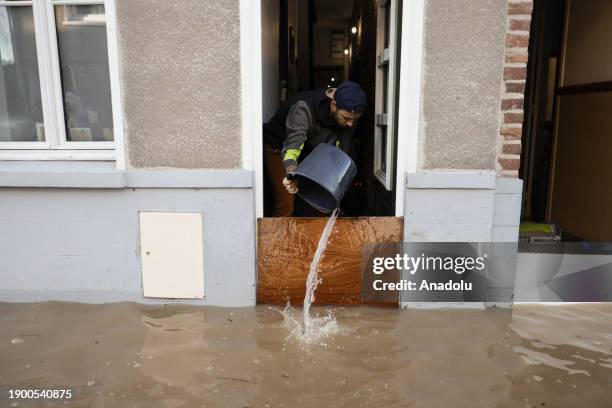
{"x":409,"y":108}
{"x":251,"y":95}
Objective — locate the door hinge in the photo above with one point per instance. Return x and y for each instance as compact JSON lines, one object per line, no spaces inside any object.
{"x":381,"y":119}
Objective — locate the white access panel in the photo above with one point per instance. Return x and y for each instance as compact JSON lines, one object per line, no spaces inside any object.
{"x":171,"y":254}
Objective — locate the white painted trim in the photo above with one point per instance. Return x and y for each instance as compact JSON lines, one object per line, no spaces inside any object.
{"x":73,"y":2}
{"x":16,"y":3}
{"x":45,"y":78}
{"x":86,"y":146}
{"x":59,"y":134}
{"x":13,"y":154}
{"x":251,"y":94}
{"x":24,"y":145}
{"x":409,"y":108}
{"x":115,"y":83}
{"x":391,"y":103}
{"x":379,"y":174}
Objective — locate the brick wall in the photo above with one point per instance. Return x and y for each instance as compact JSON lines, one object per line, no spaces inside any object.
{"x":513,"y":87}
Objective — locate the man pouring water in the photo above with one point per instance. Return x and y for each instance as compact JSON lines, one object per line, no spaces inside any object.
{"x":299,"y":125}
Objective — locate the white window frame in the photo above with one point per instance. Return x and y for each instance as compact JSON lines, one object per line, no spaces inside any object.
{"x":56,"y":146}
{"x":385,"y":60}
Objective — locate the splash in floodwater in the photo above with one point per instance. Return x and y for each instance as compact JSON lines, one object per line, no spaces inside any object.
{"x":313,"y":328}
{"x":321,"y":327}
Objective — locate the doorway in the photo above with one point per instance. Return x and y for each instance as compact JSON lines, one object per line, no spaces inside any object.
{"x":567,"y":143}
{"x":317,"y":44}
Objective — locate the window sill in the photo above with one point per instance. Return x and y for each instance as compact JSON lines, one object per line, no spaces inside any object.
{"x":98,"y":174}
{"x":71,"y":174}
{"x":59,"y":154}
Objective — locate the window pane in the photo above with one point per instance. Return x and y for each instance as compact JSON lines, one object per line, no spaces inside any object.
{"x":21,"y":118}
{"x":81,"y":37}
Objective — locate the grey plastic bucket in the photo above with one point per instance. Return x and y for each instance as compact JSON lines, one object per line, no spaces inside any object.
{"x":324,"y":176}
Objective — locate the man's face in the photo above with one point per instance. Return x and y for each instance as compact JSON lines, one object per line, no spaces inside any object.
{"x":342,"y":117}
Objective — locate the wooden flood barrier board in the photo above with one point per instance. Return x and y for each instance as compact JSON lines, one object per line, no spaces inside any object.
{"x":286,"y":247}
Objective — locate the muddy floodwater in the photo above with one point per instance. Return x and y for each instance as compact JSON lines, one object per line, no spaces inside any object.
{"x":131,"y":355}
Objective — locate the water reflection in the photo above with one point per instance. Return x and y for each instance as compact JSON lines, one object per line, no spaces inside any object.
{"x":176,"y":356}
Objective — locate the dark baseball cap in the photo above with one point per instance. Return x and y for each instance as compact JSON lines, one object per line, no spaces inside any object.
{"x":349,"y":96}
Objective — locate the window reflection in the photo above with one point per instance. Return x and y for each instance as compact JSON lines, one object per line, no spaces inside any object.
{"x":21,"y":118}
{"x":81,"y":37}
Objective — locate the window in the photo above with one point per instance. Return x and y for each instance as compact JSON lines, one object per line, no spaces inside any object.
{"x":55,"y":81}
{"x":384,"y":130}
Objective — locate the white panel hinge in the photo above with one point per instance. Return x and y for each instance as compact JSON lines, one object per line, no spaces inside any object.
{"x":383,"y":58}
{"x":381,"y":119}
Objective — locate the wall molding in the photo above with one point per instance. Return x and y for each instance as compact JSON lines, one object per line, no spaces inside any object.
{"x":99,"y":297}
{"x":461,"y":179}
{"x":190,"y":178}
{"x":63,"y":174}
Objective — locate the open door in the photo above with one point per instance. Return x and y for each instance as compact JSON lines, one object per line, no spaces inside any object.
{"x":386,"y":74}
{"x":565,"y":163}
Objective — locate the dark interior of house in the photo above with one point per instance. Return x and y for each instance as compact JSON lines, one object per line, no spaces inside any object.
{"x":320,"y":44}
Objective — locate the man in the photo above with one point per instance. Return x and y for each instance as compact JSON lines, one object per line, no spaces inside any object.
{"x":300,"y":124}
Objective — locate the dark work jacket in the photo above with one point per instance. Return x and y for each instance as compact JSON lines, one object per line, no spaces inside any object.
{"x":301,"y":123}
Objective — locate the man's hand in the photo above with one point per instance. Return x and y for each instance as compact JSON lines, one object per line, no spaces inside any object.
{"x":290,"y":185}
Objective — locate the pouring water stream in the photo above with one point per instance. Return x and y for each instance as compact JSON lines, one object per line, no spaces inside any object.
{"x":312,"y":282}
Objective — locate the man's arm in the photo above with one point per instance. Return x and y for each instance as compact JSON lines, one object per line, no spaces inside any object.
{"x":298,"y":124}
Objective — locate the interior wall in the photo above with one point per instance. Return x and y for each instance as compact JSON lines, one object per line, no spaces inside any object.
{"x":588,"y":55}
{"x":303,"y":40}
{"x":321,"y":46}
{"x":269,"y":57}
